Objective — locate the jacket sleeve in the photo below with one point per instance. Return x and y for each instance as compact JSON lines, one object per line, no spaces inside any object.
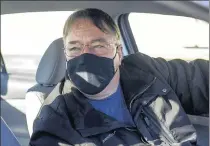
{"x":189,"y":80}
{"x":49,"y":127}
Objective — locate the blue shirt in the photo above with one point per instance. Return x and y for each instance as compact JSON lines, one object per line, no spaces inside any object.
{"x":114,"y":106}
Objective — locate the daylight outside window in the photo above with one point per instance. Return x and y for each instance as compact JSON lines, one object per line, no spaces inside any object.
{"x":26,"y":36}
{"x":170,"y":37}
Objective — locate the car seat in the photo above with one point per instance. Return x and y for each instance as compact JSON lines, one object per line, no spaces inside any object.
{"x":50,"y":72}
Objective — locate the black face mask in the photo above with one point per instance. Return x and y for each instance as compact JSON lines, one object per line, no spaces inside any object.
{"x":90,"y":73}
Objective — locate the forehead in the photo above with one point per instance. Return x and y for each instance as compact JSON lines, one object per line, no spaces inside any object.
{"x":85,"y":31}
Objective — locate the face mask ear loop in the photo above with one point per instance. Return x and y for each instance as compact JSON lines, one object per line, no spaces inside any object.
{"x":115,"y":53}
{"x":114,"y":58}
{"x":67,"y":70}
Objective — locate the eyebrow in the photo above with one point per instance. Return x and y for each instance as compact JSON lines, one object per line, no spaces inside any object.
{"x":75,"y":42}
{"x":102,"y":40}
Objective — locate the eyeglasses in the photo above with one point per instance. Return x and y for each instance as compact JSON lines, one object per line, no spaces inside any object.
{"x":99,"y":49}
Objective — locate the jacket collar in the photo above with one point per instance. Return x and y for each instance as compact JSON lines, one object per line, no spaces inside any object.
{"x":85,"y":119}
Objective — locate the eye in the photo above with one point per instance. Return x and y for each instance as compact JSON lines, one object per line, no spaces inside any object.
{"x":98,"y":46}
{"x":74,"y":49}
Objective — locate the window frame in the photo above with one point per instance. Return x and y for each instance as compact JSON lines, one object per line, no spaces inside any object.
{"x":126,"y":33}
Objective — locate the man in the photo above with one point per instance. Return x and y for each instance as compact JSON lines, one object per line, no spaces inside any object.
{"x":137,"y":100}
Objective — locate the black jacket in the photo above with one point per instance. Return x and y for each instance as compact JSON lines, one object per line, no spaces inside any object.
{"x":158,"y":95}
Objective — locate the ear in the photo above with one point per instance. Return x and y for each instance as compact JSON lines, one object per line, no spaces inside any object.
{"x":64,"y":49}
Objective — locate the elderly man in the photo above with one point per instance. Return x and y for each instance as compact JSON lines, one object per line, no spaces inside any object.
{"x":135,"y":100}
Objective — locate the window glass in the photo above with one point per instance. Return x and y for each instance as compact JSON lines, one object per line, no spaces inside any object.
{"x":26,"y":36}
{"x":170,"y":36}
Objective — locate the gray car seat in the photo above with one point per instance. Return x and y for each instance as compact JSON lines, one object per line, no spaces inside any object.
{"x":50,"y":72}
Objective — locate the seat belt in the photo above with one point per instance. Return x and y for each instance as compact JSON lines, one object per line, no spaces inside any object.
{"x":62,"y":87}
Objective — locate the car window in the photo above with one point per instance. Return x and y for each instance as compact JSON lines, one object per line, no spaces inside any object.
{"x":170,"y":37}
{"x":26,"y":36}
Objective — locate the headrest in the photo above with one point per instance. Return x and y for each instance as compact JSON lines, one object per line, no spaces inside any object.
{"x":51,"y":69}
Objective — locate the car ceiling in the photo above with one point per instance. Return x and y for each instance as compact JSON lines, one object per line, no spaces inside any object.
{"x":114,"y":8}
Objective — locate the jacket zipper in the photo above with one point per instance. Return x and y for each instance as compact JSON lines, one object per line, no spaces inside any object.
{"x":130,"y":105}
{"x":149,"y":118}
{"x":161,"y":127}
{"x":147,"y":123}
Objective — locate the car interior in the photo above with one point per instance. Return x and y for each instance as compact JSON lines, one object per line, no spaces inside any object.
{"x":24,"y":91}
